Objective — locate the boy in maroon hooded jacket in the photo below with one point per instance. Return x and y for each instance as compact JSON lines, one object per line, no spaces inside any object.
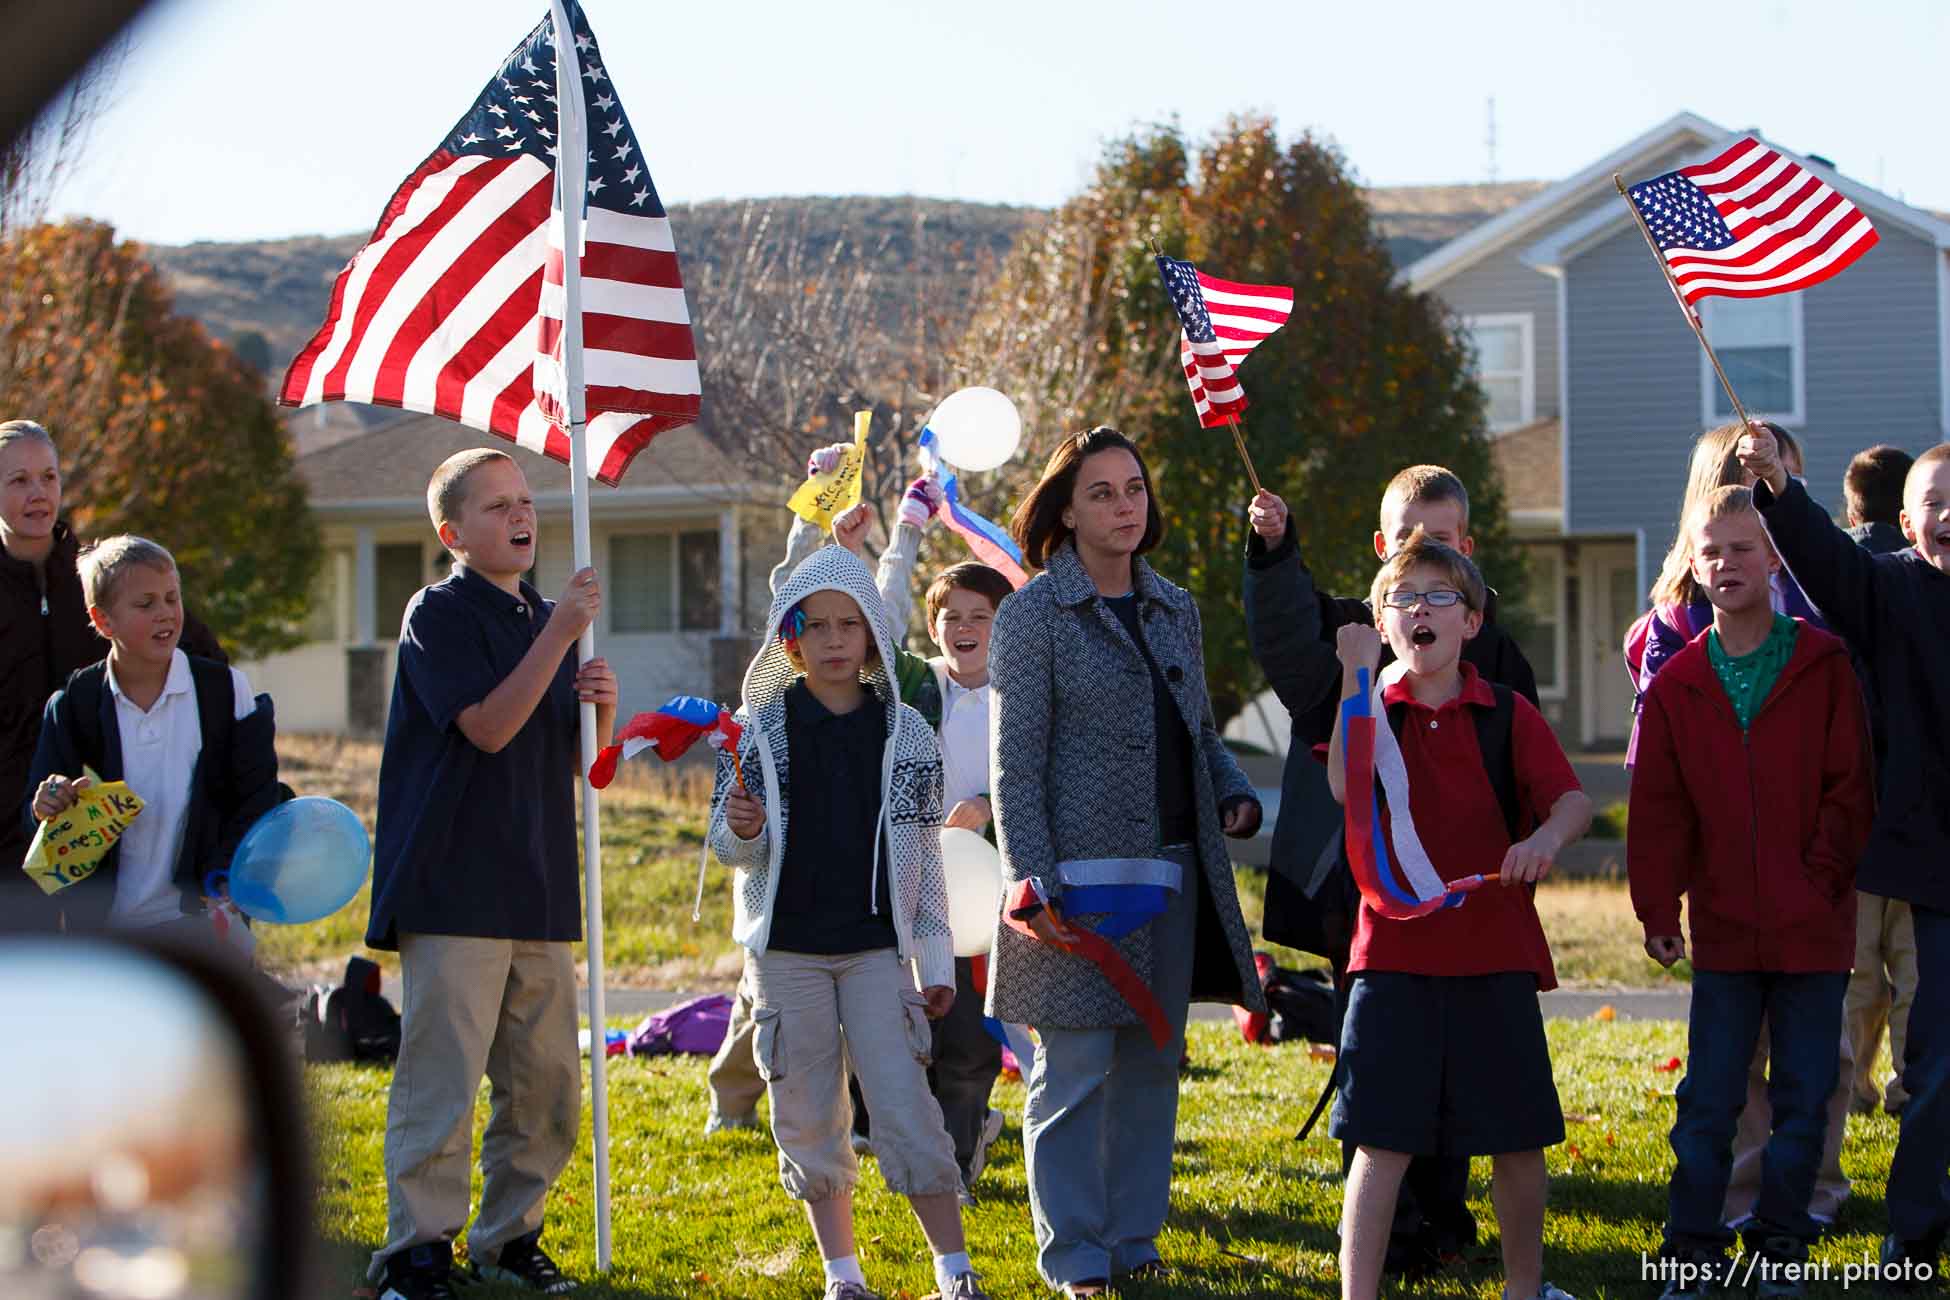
{"x":1753,"y":796}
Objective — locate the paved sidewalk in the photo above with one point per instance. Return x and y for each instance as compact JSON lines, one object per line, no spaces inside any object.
{"x":1561,"y":1004}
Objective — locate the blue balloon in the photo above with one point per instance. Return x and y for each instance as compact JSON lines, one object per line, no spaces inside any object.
{"x":303,"y":860}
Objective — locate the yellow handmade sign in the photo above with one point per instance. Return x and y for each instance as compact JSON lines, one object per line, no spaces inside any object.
{"x":69,"y":848}
{"x":823,"y":496}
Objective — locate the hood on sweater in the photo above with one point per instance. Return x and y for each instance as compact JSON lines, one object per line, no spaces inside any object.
{"x":831,"y":568}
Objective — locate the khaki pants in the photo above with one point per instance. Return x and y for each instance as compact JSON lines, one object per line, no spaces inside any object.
{"x":1879,"y":993}
{"x":736,"y":1084}
{"x":1757,"y":1122}
{"x":502,"y":1007}
{"x":812,"y":1015}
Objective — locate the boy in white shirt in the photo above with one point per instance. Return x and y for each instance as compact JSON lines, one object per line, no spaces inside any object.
{"x":185,"y":733}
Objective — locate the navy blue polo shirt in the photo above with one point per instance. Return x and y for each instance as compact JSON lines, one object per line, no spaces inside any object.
{"x":471,"y":843}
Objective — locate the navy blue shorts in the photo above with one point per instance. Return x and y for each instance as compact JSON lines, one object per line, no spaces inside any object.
{"x":1446,"y":1065}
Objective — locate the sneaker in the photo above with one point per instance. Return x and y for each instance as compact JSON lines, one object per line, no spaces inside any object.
{"x":523,"y":1263}
{"x":838,"y":1290}
{"x":1907,"y":1266}
{"x":1547,"y":1292}
{"x":1692,"y":1272}
{"x":964,"y":1286}
{"x":991,"y":1130}
{"x":716,"y":1123}
{"x":1780,"y":1261}
{"x":423,"y":1272}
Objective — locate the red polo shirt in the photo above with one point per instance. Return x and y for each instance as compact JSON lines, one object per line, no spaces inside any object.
{"x":1456,"y":814}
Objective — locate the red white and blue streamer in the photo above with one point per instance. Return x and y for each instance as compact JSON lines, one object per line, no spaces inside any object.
{"x":990,"y":544}
{"x":1405,"y":884}
{"x":680,"y":723}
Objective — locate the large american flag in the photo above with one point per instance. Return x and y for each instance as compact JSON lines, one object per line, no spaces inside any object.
{"x":455,"y":305}
{"x":1750,"y":223}
{"x":1223,"y":321}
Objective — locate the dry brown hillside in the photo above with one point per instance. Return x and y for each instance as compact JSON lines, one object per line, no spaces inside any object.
{"x":280,"y":288}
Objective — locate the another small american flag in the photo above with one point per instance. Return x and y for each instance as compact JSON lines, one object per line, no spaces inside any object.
{"x":1750,"y":223}
{"x":455,"y":306}
{"x":1223,"y":321}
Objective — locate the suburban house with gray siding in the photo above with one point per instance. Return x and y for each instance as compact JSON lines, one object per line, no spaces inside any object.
{"x":1597,"y":388}
{"x":684,"y":548}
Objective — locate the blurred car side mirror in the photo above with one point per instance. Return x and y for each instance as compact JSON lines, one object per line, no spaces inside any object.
{"x":152,"y":1134}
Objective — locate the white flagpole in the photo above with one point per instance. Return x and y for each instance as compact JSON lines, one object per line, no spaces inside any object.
{"x":571,"y":142}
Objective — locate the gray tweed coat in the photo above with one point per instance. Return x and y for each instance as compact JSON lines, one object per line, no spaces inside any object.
{"x":1073,"y":777}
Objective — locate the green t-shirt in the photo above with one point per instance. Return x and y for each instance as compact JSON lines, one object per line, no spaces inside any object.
{"x":1749,"y":677}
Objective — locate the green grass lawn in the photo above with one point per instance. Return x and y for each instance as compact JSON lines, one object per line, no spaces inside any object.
{"x":653,"y":827}
{"x":1253,"y":1213}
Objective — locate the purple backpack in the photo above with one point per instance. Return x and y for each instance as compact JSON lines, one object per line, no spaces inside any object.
{"x":695,"y":1027}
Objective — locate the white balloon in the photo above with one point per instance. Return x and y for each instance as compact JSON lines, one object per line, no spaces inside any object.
{"x":974,"y":872}
{"x":976,"y":428}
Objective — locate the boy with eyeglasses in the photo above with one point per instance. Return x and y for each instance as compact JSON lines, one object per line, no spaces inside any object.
{"x":1442,"y":1049}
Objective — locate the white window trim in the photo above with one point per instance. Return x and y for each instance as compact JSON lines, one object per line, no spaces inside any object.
{"x":1526,"y":323}
{"x":676,"y":533}
{"x":1797,"y":372}
{"x":1561,"y":638}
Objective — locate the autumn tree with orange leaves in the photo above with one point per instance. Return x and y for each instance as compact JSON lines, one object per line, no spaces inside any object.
{"x":162,"y":430}
{"x":1365,"y":378}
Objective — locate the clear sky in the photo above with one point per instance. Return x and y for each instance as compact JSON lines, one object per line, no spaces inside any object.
{"x":245,"y":119}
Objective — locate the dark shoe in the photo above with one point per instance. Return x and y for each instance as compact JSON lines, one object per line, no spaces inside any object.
{"x":424,"y":1272}
{"x":1908,"y":1267}
{"x":1692,"y":1274}
{"x":523,"y":1263}
{"x":1780,"y":1267}
{"x":1420,"y":1254}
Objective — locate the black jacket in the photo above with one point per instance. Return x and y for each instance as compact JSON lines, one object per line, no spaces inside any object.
{"x":1291,"y":626}
{"x":234,"y":782}
{"x":1894,"y":612}
{"x":44,"y":636}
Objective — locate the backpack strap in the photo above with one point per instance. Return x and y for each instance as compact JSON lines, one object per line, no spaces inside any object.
{"x":1494,"y":726}
{"x":216,"y":699}
{"x":1493,"y":731}
{"x":86,"y":691}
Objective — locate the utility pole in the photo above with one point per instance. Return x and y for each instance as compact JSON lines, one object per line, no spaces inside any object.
{"x":1489,"y":145}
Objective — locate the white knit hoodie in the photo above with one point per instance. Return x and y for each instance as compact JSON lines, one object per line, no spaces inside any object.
{"x":910,"y":782}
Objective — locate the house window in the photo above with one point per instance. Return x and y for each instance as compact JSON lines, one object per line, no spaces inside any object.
{"x":697,"y":581}
{"x":663,"y":582}
{"x":1540,"y":633}
{"x":398,"y":576}
{"x":322,"y":613}
{"x":1505,"y":367}
{"x":1758,"y":341}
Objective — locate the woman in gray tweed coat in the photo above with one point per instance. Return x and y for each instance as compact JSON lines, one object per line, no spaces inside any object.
{"x":1107,"y":772}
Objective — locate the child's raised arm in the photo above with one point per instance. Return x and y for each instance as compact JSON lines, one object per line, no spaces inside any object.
{"x":1359,"y":647}
{"x":1283,"y":611}
{"x":1839,"y":577}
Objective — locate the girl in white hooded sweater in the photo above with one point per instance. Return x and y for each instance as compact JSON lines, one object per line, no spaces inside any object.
{"x":832,"y":902}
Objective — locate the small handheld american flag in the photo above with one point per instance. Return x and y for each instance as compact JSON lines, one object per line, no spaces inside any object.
{"x":1749,"y":223}
{"x":1223,"y":321}
{"x":455,"y":306}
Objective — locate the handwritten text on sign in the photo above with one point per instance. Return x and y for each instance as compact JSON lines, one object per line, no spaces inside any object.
{"x":69,"y":848}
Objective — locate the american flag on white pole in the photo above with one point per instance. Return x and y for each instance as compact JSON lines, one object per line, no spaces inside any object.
{"x":1750,"y":223}
{"x":1223,"y":321}
{"x":454,"y":307}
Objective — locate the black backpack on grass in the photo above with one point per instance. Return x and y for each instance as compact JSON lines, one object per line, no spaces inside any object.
{"x":353,"y":1022}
